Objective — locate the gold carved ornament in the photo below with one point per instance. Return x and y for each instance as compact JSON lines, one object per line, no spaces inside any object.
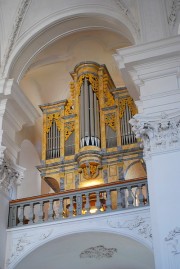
{"x":110,"y":120}
{"x":90,"y":171}
{"x":130,"y":103}
{"x":92,"y":79}
{"x":49,"y":119}
{"x":108,"y":97}
{"x":69,"y":127}
{"x":69,"y":107}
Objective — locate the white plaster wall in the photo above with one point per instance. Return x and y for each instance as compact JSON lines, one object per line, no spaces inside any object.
{"x":31,"y":185}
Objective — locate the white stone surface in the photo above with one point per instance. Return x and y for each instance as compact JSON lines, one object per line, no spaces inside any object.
{"x":134,"y":224}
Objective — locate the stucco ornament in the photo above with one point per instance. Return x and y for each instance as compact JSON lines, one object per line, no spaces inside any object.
{"x":139,"y":224}
{"x":175,"y":6}
{"x":22,"y":243}
{"x":173,"y":239}
{"x":98,"y":252}
{"x":158,"y":135}
{"x":11,"y":175}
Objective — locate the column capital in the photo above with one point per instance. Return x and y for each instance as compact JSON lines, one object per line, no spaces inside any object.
{"x":159,"y":134}
{"x":11,"y":175}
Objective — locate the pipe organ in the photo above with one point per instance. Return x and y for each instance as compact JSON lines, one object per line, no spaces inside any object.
{"x":87,"y":139}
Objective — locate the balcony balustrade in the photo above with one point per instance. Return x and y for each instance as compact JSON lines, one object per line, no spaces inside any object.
{"x":98,"y":199}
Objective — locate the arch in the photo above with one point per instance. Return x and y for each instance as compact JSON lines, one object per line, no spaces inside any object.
{"x":80,"y":231}
{"x":56,"y":26}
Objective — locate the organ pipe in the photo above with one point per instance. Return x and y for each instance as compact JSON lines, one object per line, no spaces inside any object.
{"x":89,"y":116}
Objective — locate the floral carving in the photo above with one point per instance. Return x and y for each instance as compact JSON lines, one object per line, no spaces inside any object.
{"x":139,"y":224}
{"x":159,"y":135}
{"x":173,"y":239}
{"x":98,"y":252}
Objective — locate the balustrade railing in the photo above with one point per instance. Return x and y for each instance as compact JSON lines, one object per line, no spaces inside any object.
{"x":82,"y":202}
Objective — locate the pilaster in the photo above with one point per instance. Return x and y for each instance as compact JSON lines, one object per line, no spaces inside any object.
{"x":153,"y":73}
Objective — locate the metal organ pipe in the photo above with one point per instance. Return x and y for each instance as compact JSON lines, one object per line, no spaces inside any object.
{"x":82,"y":113}
{"x":89,"y":116}
{"x":86,"y":103}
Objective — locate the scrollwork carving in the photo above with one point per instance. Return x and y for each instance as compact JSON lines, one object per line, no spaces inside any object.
{"x":139,"y":224}
{"x":110,"y":120}
{"x":130,"y":103}
{"x":49,"y":119}
{"x":92,"y":79}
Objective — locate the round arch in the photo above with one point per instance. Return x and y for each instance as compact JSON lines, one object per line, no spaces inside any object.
{"x":94,"y":237}
{"x":41,"y":35}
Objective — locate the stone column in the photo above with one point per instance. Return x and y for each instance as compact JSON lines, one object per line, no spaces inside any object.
{"x":15,"y":112}
{"x":153,"y":70}
{"x":11,"y":175}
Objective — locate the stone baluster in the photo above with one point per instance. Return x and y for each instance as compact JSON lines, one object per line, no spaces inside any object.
{"x":31,"y":213}
{"x":78,"y":205}
{"x":140,"y":196}
{"x":21,"y":215}
{"x":41,"y":212}
{"x":98,"y":204}
{"x":71,"y":206}
{"x":50,"y":211}
{"x":130,"y":198}
{"x":14,"y":216}
{"x":108,"y":200}
{"x":87,"y":205}
{"x":119,"y":199}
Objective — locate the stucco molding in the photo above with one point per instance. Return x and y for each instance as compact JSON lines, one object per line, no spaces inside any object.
{"x":173,"y":239}
{"x":159,"y":135}
{"x":24,"y":4}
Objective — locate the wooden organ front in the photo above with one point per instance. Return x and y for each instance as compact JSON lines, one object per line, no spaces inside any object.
{"x":87,"y":139}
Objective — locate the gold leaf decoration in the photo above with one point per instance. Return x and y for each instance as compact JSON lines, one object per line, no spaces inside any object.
{"x":108,"y":97}
{"x":49,"y":120}
{"x":69,"y":127}
{"x":110,"y":120}
{"x":92,"y":79}
{"x":130,"y":103}
{"x":69,"y":108}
